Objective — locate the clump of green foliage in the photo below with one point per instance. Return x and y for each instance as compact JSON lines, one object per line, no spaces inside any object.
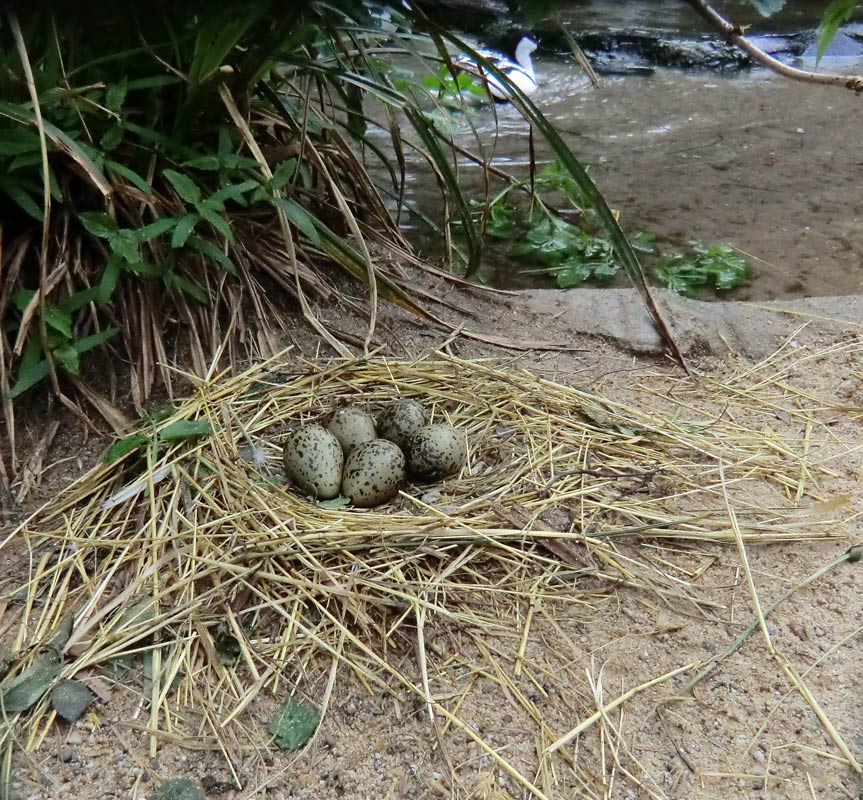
{"x":157,"y":158}
{"x":719,"y":267}
{"x":170,"y":179}
{"x":452,"y":88}
{"x":205,"y":173}
{"x":572,"y":253}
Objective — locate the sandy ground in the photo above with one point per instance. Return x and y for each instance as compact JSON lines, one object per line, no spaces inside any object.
{"x":782,"y":182}
{"x":745,"y":732}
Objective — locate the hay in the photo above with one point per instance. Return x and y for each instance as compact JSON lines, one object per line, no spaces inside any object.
{"x":562,"y":491}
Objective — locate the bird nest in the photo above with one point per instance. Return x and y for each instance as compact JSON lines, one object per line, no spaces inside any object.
{"x":192,"y":551}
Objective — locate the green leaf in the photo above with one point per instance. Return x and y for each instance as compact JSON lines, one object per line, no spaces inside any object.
{"x":190,"y":288}
{"x":235,"y":162}
{"x":155,"y":82}
{"x":77,"y":301}
{"x":300,"y":217}
{"x":112,"y":138}
{"x":146,"y":268}
{"x":67,"y":357}
{"x":216,"y":220}
{"x":70,"y":699}
{"x":30,"y":161}
{"x":572,"y":275}
{"x":94,"y":340}
{"x":25,"y":691}
{"x":32,"y":353}
{"x":19,"y":140}
{"x":130,"y":175}
{"x":59,"y":320}
{"x":29,"y":376}
{"x":155,"y":229}
{"x":293,"y":724}
{"x":122,"y":448}
{"x":205,"y":163}
{"x":21,"y":197}
{"x":434,"y":83}
{"x":226,"y":144}
{"x":98,"y":224}
{"x":110,"y":276}
{"x":116,"y":94}
{"x":83,"y":154}
{"x":184,"y":186}
{"x":604,"y":270}
{"x":185,"y":429}
{"x":501,"y":223}
{"x":283,"y":173}
{"x":124,"y":243}
{"x":21,"y":299}
{"x":211,"y":251}
{"x":185,"y":226}
{"x":232,"y":191}
{"x":643,"y":241}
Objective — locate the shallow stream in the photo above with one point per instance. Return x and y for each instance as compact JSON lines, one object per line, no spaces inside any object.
{"x":745,"y":157}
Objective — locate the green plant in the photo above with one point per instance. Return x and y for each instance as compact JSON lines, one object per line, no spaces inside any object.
{"x":720,"y":267}
{"x":451,"y":88}
{"x":571,"y":254}
{"x":556,"y":177}
{"x":59,"y":345}
{"x":152,"y":172}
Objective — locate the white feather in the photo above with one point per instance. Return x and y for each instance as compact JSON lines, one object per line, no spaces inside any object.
{"x":520,"y":72}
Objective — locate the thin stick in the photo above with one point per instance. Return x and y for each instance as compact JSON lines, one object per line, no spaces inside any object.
{"x":607,"y":709}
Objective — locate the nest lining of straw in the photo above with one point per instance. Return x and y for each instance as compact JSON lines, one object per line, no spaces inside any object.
{"x":561,"y":485}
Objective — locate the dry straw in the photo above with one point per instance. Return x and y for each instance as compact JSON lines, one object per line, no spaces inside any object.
{"x":202,"y":540}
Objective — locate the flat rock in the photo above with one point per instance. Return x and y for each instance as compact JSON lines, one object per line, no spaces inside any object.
{"x":699,"y":327}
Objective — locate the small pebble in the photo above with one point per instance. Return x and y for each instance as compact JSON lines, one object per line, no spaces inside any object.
{"x":68,"y":754}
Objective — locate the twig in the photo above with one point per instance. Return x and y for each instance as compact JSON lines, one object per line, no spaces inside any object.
{"x":586,"y":723}
{"x":734,"y":35}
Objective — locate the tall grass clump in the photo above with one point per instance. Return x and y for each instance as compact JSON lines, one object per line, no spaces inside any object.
{"x":175,"y":179}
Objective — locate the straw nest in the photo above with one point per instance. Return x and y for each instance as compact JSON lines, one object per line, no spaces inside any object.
{"x":202,"y":538}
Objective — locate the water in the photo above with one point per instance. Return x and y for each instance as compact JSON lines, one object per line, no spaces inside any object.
{"x":676,"y":16}
{"x":751,"y":159}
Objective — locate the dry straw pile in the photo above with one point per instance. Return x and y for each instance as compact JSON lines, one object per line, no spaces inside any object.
{"x":202,"y":540}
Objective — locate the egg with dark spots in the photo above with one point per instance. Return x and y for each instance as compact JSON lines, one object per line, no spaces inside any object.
{"x":314,"y":460}
{"x":401,"y":420}
{"x":352,"y":427}
{"x":436,"y":451}
{"x":373,"y":472}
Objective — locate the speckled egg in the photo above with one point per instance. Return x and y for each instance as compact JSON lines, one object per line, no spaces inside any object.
{"x":401,"y":420}
{"x":373,"y":473}
{"x":436,"y":451}
{"x":352,"y":427}
{"x":314,"y":460}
